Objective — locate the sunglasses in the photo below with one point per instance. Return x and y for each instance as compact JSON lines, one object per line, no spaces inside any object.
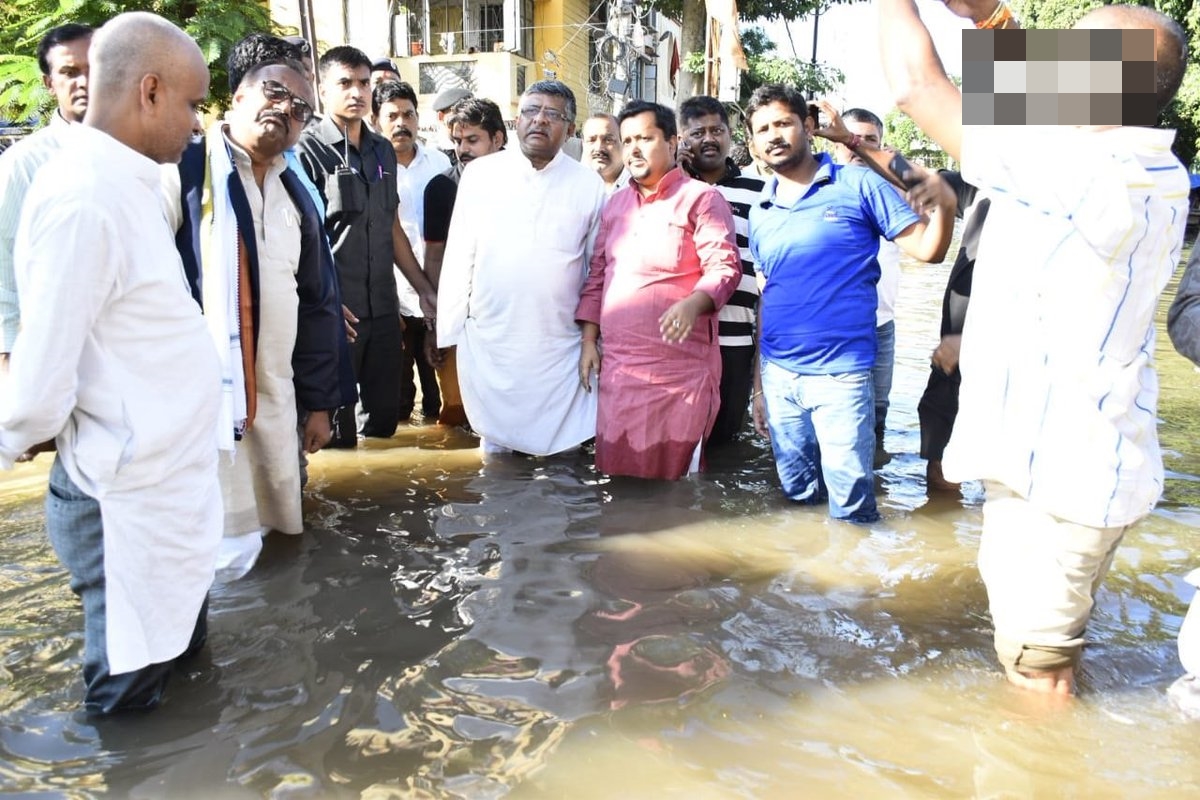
{"x":276,"y":92}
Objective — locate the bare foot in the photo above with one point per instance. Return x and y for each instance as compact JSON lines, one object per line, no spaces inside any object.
{"x":1058,"y":682}
{"x":935,"y":481}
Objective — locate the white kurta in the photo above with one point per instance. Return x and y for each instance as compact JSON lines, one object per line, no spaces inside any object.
{"x":115,"y":362}
{"x":410,"y":185}
{"x":516,"y":257}
{"x":260,"y":483}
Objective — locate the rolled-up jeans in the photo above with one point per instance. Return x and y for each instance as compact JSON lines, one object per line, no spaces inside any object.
{"x":823,"y":436}
{"x":76,"y":532}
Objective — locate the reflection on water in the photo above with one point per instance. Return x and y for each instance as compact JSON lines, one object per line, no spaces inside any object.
{"x":528,"y":628}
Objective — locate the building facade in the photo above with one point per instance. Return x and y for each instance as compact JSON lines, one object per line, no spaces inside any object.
{"x":608,"y":51}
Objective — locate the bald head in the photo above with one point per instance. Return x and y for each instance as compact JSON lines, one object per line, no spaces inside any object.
{"x":1170,"y":42}
{"x":131,"y":45}
{"x":148,"y":81}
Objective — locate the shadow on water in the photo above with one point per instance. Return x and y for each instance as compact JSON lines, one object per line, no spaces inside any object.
{"x":528,"y":628}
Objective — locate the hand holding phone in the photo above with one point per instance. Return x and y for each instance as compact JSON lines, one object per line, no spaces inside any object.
{"x":900,"y":167}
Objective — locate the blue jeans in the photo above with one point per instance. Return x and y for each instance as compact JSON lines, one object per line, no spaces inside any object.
{"x":74,"y":525}
{"x":881,"y":373}
{"x":823,"y":437}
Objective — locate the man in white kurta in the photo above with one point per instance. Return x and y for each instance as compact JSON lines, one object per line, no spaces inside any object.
{"x":62,"y":56}
{"x":114,"y":363}
{"x":516,"y":256}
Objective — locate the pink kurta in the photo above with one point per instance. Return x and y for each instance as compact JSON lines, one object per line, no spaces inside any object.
{"x":657,"y":401}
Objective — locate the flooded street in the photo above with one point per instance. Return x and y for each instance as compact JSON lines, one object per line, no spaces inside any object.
{"x":526,"y":628}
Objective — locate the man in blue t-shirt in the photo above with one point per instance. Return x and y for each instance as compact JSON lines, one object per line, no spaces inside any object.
{"x":815,"y":234}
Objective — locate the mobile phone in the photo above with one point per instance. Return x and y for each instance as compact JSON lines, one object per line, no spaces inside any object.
{"x":687,"y":158}
{"x":817,"y":116}
{"x":899,"y":167}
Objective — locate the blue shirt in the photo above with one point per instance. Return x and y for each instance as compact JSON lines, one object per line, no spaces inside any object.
{"x":819,"y":260}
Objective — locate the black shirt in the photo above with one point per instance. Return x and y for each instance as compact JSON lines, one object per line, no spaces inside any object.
{"x":360,"y":209}
{"x":440,"y":194}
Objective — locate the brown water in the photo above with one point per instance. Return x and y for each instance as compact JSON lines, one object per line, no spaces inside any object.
{"x":527,"y":628}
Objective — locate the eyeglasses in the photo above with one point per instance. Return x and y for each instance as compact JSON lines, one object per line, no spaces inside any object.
{"x":716,"y":131}
{"x":552,"y":115}
{"x":276,"y":92}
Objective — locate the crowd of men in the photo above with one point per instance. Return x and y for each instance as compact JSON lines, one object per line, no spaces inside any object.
{"x":307,"y":273}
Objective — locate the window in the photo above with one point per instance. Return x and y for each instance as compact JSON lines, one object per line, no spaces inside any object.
{"x":457,"y":27}
{"x":491,"y":27}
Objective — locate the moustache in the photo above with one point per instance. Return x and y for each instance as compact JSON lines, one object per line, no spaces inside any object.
{"x":276,"y":115}
{"x":399,"y":133}
{"x":601,"y":155}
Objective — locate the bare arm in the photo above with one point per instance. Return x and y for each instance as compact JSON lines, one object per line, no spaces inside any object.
{"x":402,"y":252}
{"x":916,"y":75}
{"x":934,"y":199}
{"x":928,"y":240}
{"x":434,"y":253}
{"x":876,"y":158}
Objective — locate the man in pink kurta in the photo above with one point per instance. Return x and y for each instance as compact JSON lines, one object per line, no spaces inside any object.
{"x":664,"y":262}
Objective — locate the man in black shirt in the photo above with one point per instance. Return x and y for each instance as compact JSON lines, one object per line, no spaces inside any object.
{"x":354,"y":169}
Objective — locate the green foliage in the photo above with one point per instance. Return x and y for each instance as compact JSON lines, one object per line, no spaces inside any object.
{"x":214,"y":24}
{"x":751,"y":10}
{"x":900,"y":132}
{"x":767,"y":66}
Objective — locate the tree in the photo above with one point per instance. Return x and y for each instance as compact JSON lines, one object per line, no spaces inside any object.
{"x":1184,"y":112}
{"x":900,"y":132}
{"x":215,"y":25}
{"x":692,"y":17}
{"x":768,"y":66}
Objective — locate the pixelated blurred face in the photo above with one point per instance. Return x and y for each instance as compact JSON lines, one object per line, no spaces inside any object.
{"x":602,"y":147}
{"x":779,"y":135}
{"x":867,"y":131}
{"x":346,"y":92}
{"x":473,"y":141}
{"x":397,"y":122}
{"x":270,"y":110}
{"x":649,"y":153}
{"x":68,"y":78}
{"x":709,"y":140}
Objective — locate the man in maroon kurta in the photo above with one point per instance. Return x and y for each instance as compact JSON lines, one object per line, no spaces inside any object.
{"x":665,"y":260}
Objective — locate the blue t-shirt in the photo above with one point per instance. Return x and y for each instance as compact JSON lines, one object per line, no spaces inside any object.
{"x":819,"y":260}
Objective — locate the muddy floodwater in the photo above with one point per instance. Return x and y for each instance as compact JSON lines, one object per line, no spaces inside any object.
{"x":527,"y":628}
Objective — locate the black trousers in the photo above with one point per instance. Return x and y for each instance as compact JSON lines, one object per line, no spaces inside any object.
{"x":414,"y":356}
{"x":936,"y":410}
{"x":737,"y":376}
{"x":376,"y":354}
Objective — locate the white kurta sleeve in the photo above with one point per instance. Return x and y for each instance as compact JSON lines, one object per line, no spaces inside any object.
{"x":66,"y":269}
{"x":458,"y":264}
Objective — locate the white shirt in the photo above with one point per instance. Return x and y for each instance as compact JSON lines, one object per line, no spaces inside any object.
{"x":888,"y":288}
{"x":1058,"y":390}
{"x":410,"y":185}
{"x":516,"y":256}
{"x":18,"y":164}
{"x":115,"y":363}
